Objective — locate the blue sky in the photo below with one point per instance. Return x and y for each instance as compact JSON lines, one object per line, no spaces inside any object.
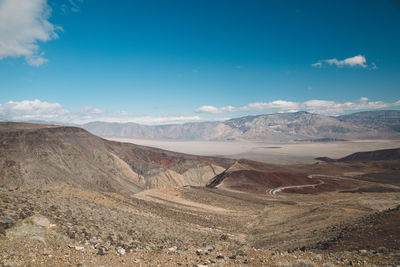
{"x":176,"y":61}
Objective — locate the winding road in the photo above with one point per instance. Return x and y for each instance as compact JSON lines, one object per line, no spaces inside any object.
{"x":273,"y":191}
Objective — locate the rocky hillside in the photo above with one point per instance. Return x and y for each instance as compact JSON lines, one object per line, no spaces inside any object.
{"x":37,"y":156}
{"x":279,"y":127}
{"x":385,"y":120}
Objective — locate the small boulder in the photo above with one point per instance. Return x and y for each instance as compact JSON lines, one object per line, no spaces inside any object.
{"x":40,"y":221}
{"x":172,"y":249}
{"x":120,"y":251}
{"x":79,"y":248}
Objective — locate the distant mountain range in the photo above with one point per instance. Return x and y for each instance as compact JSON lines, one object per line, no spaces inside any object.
{"x":278,"y":127}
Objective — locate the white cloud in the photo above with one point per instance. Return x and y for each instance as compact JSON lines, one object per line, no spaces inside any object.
{"x":208,"y":109}
{"x":36,"y":110}
{"x":31,"y":110}
{"x":150,"y":120}
{"x":317,"y":64}
{"x":23,"y":24}
{"x":316,"y":106}
{"x":355,"y":61}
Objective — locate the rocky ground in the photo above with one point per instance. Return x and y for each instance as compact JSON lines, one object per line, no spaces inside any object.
{"x":66,"y":226}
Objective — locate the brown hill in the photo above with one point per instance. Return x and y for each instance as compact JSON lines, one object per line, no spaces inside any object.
{"x":384,"y":154}
{"x":36,"y":155}
{"x":255,"y":177}
{"x":376,"y":155}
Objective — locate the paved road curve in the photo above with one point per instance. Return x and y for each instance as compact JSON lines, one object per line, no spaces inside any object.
{"x":273,"y":191}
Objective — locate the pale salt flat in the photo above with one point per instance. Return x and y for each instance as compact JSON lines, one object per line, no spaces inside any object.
{"x":277,"y":153}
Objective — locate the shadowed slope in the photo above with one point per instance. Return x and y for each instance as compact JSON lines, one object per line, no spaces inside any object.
{"x":383,"y":154}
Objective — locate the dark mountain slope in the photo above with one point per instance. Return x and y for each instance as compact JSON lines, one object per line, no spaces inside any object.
{"x":384,"y":154}
{"x":376,"y":155}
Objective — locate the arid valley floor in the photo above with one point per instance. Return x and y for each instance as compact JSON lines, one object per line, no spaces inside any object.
{"x":154,"y":213}
{"x":268,"y":152}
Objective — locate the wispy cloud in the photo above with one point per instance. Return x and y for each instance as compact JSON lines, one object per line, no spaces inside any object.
{"x":89,"y":110}
{"x":23,"y":24}
{"x":316,"y":106}
{"x":355,"y":61}
{"x":74,"y":5}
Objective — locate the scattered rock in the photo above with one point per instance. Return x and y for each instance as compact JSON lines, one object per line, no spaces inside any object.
{"x":79,"y":248}
{"x":46,"y":252}
{"x":363,"y":252}
{"x":211,"y":261}
{"x":172,"y":249}
{"x":199,"y":252}
{"x":101,"y":251}
{"x":120,"y":251}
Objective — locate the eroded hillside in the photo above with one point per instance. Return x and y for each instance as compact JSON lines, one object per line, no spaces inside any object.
{"x":44,"y":155}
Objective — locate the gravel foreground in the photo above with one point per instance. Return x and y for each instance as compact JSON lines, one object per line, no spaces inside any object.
{"x":66,"y":226}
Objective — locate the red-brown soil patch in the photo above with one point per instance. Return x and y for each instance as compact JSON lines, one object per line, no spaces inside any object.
{"x":258,"y":182}
{"x":329,"y":185}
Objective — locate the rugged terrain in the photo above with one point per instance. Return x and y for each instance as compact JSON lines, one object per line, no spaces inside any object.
{"x":37,"y":155}
{"x":69,"y":198}
{"x":279,"y":127}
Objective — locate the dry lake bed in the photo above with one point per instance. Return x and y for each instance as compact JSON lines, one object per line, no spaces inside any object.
{"x":277,"y":153}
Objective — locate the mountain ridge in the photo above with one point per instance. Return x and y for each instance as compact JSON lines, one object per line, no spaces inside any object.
{"x":277,"y":127}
